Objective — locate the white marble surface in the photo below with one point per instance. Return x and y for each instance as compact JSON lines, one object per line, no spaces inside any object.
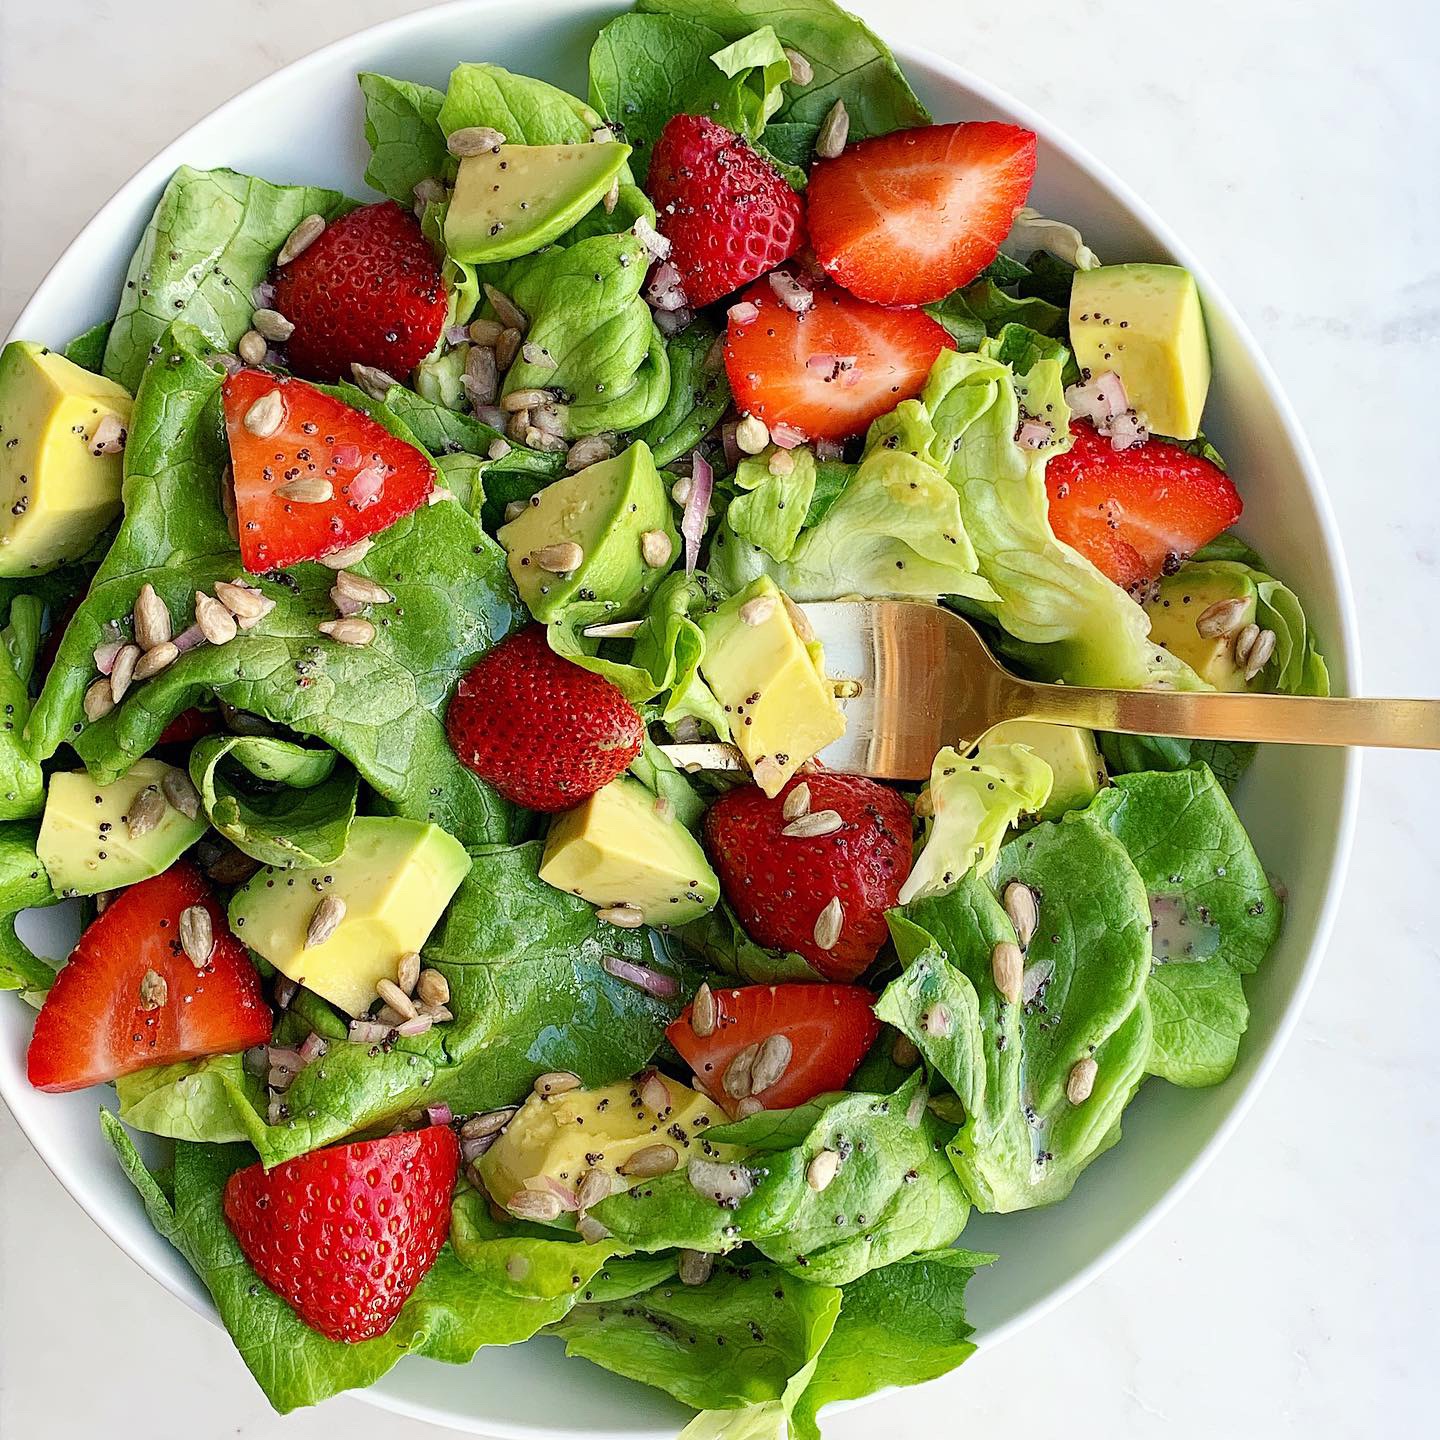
{"x":1295,"y":144}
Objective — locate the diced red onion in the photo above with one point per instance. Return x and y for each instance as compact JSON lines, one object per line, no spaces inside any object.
{"x":471,"y":1149}
{"x":365,"y":488}
{"x":440,"y":1114}
{"x":652,"y":982}
{"x":230,"y":364}
{"x":457,"y":334}
{"x":1099,"y":399}
{"x":653,"y":1090}
{"x":715,"y":1180}
{"x":188,"y":639}
{"x":284,"y":990}
{"x":263,"y":295}
{"x":105,"y":655}
{"x":697,"y":509}
{"x":742,"y":312}
{"x":1033,"y":435}
{"x":672,"y":322}
{"x":827,"y":449}
{"x":1125,"y":430}
{"x":491,"y":415}
{"x":367,"y":1032}
{"x":665,"y":289}
{"x":284,"y":1065}
{"x":346,"y":606}
{"x":346,"y":455}
{"x":254,"y":1060}
{"x":787,"y":437}
{"x":651,"y":238}
{"x":790,"y":292}
{"x":412,"y":1029}
{"x":313,"y":1048}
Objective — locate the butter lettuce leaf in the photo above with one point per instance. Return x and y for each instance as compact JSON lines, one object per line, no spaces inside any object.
{"x":770,"y":509}
{"x":190,"y":1100}
{"x":24,"y":885}
{"x":22,"y":785}
{"x":402,"y":129}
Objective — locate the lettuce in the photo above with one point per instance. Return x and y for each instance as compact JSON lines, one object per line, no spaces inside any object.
{"x":402,"y":128}
{"x":24,"y":885}
{"x":190,"y":1100}
{"x":22,"y":785}
{"x":770,"y":509}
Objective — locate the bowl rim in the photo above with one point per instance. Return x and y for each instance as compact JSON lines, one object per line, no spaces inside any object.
{"x":151,"y":175}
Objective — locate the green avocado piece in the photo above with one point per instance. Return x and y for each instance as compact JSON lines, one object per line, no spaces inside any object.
{"x":85,"y":842}
{"x":606,"y":510}
{"x":1145,"y":323}
{"x":395,"y":877}
{"x":623,"y":846}
{"x":1070,"y":752}
{"x":511,"y":201}
{"x":1179,"y":602}
{"x":56,"y":493}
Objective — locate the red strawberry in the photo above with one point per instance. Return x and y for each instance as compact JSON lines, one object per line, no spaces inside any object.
{"x":1136,"y":514}
{"x":728,"y":213}
{"x":830,"y":371}
{"x":366,"y":292}
{"x":544,"y":732}
{"x":779,"y":885}
{"x":130,"y":997}
{"x":375,"y":478}
{"x":908,"y":217}
{"x":344,"y":1235}
{"x":189,"y":725}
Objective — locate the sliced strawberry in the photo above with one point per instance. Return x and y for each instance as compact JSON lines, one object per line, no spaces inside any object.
{"x":189,"y":725}
{"x":543,"y":731}
{"x":830,"y":370}
{"x":906,"y":218}
{"x":344,"y":1235}
{"x":374,"y":478}
{"x":780,"y":885}
{"x":130,"y":997}
{"x":728,"y":214}
{"x":1136,"y":514}
{"x":829,"y":1028}
{"x":367,"y":292}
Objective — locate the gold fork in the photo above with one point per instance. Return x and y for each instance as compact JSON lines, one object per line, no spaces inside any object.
{"x":912,"y":678}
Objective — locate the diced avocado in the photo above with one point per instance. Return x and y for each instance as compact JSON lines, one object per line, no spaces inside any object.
{"x":1074,"y":761}
{"x":511,"y":201}
{"x":1182,"y":598}
{"x":771,"y":680}
{"x":622,"y":848}
{"x":85,"y":842}
{"x":605,"y":510}
{"x":56,"y":493}
{"x":396,"y":878}
{"x":565,"y":1136}
{"x":1145,"y":323}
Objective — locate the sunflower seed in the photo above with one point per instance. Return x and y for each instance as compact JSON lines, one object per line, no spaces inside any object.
{"x":534,"y":1205}
{"x":556,"y":1082}
{"x":822,"y":1169}
{"x":758,"y":610}
{"x":374,"y":381}
{"x":122,"y":671}
{"x":746,"y":1107}
{"x":301,"y":238}
{"x":624,"y":917}
{"x":324,"y":921}
{"x":656,"y":549}
{"x":351,"y":630}
{"x":834,"y":132}
{"x":216,"y":623}
{"x":490,"y":1122}
{"x":109,"y":436}
{"x":263,"y":418}
{"x":197,"y":935}
{"x":362,"y":588}
{"x":595,"y":1187}
{"x":546,"y":440}
{"x":510,"y":315}
{"x":737,"y":1080}
{"x":485,"y":332}
{"x":589,"y":451}
{"x":349,"y":555}
{"x":252,"y":348}
{"x":498,"y":448}
{"x":649,"y":1161}
{"x":771,"y":1063}
{"x":1255,"y":662}
{"x":801,"y":71}
{"x":518,"y":400}
{"x":550,"y":418}
{"x":433,"y":989}
{"x":695,"y":1266}
{"x":752,"y":435}
{"x":146,"y":811}
{"x":178,"y":791}
{"x":590,"y":1230}
{"x":473,"y":140}
{"x":241,"y":601}
{"x":272,"y":325}
{"x":725,"y":1184}
{"x":1081,"y":1080}
{"x":1224,"y":617}
{"x":702,"y":1012}
{"x":389,"y":1017}
{"x":904,"y":1053}
{"x":152,"y":619}
{"x":420,"y":1025}
{"x":308,"y":491}
{"x":396,"y":998}
{"x":154,"y":992}
{"x":1007,"y":966}
{"x":797,"y":803}
{"x":407,"y":971}
{"x":507,"y":347}
{"x":1245,"y":642}
{"x":482,"y":376}
{"x":1019,"y":901}
{"x":814,"y":824}
{"x":428,"y":191}
{"x":653,"y":1091}
{"x":152,"y":662}
{"x":829,"y":924}
{"x":561,"y":559}
{"x":518,"y":426}
{"x":936,"y":1021}
{"x":612,"y":198}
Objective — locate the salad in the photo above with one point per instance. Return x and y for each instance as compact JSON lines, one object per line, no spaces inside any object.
{"x":357,"y":576}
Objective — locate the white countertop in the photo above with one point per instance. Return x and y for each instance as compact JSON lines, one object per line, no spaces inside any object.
{"x":1296,"y":147}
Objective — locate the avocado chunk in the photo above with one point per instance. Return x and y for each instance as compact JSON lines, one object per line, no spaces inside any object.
{"x":565,"y":1136}
{"x":395,"y":876}
{"x":1071,"y":753}
{"x":771,"y":680}
{"x":1145,"y":323}
{"x":621,"y":847}
{"x":511,"y":201}
{"x":85,"y":840}
{"x":56,"y":493}
{"x":602,"y":514}
{"x":1179,"y":602}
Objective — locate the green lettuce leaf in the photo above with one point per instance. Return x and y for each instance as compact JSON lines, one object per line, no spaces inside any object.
{"x":189,"y":1100}
{"x":770,"y":509}
{"x":721,"y":942}
{"x":402,"y":129}
{"x":22,"y":785}
{"x":87,"y":350}
{"x":654,"y":769}
{"x":699,"y":393}
{"x":1129,"y":754}
{"x":24,"y":885}
{"x":983,"y":309}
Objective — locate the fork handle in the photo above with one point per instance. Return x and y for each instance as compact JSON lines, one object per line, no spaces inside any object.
{"x":1214,"y":715}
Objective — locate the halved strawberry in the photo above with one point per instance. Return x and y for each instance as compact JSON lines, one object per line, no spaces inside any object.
{"x":908,"y":217}
{"x":344,"y":1235}
{"x":324,"y":477}
{"x":130,"y":997}
{"x":190,"y":725}
{"x":830,"y":369}
{"x":829,"y":1029}
{"x":1136,"y":514}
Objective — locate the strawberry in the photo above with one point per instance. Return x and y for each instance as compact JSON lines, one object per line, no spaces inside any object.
{"x":189,"y":725}
{"x":367,"y":292}
{"x":344,"y":1235}
{"x":129,"y":996}
{"x":908,"y":217}
{"x":543,"y":731}
{"x":728,"y":214}
{"x":779,"y":885}
{"x":830,"y":370}
{"x":374,"y":477}
{"x":1136,"y":514}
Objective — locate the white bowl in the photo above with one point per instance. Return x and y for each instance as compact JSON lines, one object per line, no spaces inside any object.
{"x":304,"y":124}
